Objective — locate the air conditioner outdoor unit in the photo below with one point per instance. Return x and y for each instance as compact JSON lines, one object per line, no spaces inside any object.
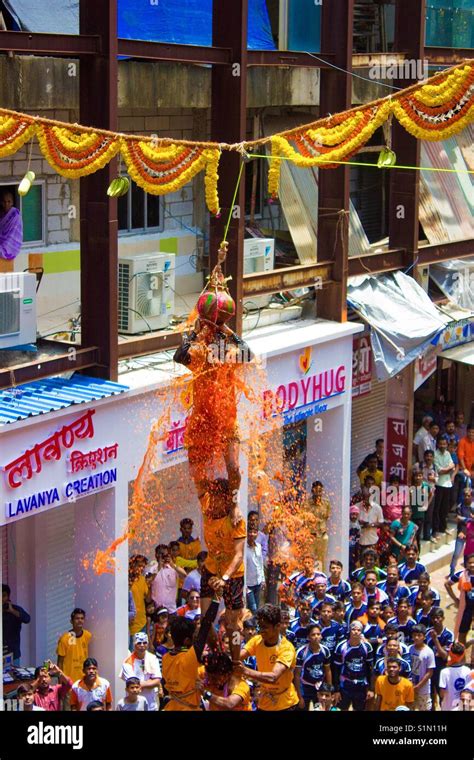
{"x":17,"y":309}
{"x":259,"y":255}
{"x":146,"y":292}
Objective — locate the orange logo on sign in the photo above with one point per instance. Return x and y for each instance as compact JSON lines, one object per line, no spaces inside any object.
{"x":306,"y":361}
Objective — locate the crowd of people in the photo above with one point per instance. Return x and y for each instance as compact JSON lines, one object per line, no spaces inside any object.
{"x":212,"y":630}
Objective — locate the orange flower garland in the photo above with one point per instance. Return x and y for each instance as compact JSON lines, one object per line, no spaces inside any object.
{"x":167,"y":169}
{"x":74,"y":154}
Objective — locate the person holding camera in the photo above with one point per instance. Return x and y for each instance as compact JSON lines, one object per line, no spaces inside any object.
{"x":13,"y":617}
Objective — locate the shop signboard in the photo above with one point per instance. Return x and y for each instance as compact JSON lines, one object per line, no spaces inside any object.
{"x":317,"y":383}
{"x":396,"y":462}
{"x":455,"y":334}
{"x":361,"y":365}
{"x":72,"y":461}
{"x":425,"y":365}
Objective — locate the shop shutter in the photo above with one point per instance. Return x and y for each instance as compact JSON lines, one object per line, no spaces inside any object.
{"x":4,"y":544}
{"x":368,"y":424}
{"x":60,"y":572}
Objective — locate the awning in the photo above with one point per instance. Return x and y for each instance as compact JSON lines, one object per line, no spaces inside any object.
{"x":403,"y":319}
{"x":463,"y":354}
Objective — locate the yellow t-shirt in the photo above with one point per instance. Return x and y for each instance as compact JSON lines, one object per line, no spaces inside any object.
{"x":241,"y":689}
{"x":189,"y":550}
{"x":180,"y":673}
{"x":394,"y":695}
{"x":139,"y":591}
{"x":220,"y":536}
{"x":377,"y":476}
{"x":282,"y":694}
{"x":74,"y":650}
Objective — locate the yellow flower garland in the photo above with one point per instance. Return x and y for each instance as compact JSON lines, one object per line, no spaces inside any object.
{"x":437,"y":94}
{"x":336,"y":135}
{"x":12,"y":144}
{"x":429,"y":134}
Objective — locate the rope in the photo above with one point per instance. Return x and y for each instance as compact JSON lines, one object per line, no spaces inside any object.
{"x":373,"y":166}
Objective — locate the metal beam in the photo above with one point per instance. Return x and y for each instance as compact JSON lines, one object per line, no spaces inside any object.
{"x":162,"y":51}
{"x":447,"y":56}
{"x":289,"y":278}
{"x":61,"y":45}
{"x":333,"y":184}
{"x":404,"y":184}
{"x":376,"y":263}
{"x":99,"y":248}
{"x":459,"y":249}
{"x":149,"y":344}
{"x":229,"y":123}
{"x":288,"y":58}
{"x":48,"y":365}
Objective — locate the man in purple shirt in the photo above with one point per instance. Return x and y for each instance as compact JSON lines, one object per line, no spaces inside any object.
{"x":47,"y":696}
{"x":164,"y":587}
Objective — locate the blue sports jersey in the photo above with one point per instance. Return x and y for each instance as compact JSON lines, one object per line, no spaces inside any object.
{"x":454,"y":577}
{"x":290,"y":635}
{"x":400,"y":592}
{"x":405,"y":667}
{"x":404,"y":629}
{"x":316,"y":603}
{"x":372,"y":632}
{"x":312,"y":668}
{"x":422,"y":619}
{"x":333,"y":634}
{"x":341,"y":591}
{"x":352,"y":613}
{"x":354,"y":663}
{"x":409,"y":574}
{"x":445,"y":638}
{"x":303,"y":585}
{"x":300,"y":632}
{"x":414,"y":593}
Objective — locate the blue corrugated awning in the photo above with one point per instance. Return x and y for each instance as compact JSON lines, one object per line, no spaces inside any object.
{"x":51,"y":394}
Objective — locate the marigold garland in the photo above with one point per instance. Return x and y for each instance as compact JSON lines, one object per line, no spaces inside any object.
{"x":14,"y":133}
{"x":432,"y":111}
{"x":75,"y":158}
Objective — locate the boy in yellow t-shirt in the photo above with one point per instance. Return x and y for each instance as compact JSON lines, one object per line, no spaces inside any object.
{"x":73,"y":646}
{"x":224,"y":533}
{"x":276,"y":661}
{"x":180,"y":667}
{"x":392,"y":690}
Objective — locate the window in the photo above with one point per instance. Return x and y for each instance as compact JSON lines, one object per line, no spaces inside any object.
{"x":139,"y":211}
{"x":32,"y":212}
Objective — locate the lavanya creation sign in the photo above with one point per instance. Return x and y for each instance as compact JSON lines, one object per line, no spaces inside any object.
{"x":44,"y":456}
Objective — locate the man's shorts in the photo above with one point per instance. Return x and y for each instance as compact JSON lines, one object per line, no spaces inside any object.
{"x":467,"y":618}
{"x":233,"y":590}
{"x":355,"y":694}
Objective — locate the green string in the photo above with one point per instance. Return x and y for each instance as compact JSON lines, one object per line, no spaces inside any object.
{"x":233,"y":200}
{"x":374,"y":166}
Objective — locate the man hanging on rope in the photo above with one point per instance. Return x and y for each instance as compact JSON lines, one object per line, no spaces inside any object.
{"x":214,"y":354}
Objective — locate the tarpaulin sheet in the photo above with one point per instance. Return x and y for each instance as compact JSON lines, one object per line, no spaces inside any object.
{"x":455,"y":279}
{"x":403,"y":319}
{"x":187,"y":22}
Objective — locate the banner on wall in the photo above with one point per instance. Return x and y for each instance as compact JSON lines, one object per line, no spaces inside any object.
{"x":396,"y":448}
{"x":361,"y":365}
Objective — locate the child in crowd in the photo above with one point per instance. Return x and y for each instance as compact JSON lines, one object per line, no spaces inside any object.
{"x":133,"y":701}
